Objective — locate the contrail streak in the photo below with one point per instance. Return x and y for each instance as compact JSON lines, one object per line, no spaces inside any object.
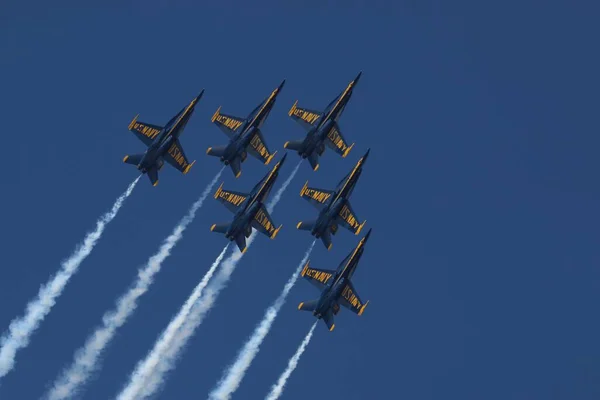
{"x":150,"y":374}
{"x":235,"y":373}
{"x":21,"y":328}
{"x":87,"y":358}
{"x":146,"y":366}
{"x":277,"y":388}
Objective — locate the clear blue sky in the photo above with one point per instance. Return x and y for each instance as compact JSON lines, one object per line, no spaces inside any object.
{"x":483,"y":269}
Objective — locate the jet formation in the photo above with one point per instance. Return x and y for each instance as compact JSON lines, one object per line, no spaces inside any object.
{"x":249,"y":209}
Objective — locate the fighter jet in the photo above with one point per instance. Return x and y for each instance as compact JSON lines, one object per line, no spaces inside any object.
{"x":322,"y":128}
{"x":249,"y":209}
{"x":334,"y":206}
{"x":336,"y":288}
{"x":163,"y":144}
{"x":245,"y":135}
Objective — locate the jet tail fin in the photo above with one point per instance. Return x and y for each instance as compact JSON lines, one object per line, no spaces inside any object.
{"x":308,"y":305}
{"x":220,"y":228}
{"x":133,"y":159}
{"x":305,"y":225}
{"x":293,"y":145}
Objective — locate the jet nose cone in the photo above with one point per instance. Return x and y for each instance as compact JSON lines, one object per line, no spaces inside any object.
{"x":200,"y":95}
{"x":357,"y":77}
{"x":281,"y":85}
{"x":364,"y":158}
{"x":280,"y":163}
{"x":367,"y":235}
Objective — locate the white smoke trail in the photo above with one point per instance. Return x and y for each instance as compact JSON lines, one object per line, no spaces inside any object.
{"x":150,"y":373}
{"x":277,"y":388}
{"x":87,"y":357}
{"x":147,"y":366}
{"x":21,"y":328}
{"x":235,"y":373}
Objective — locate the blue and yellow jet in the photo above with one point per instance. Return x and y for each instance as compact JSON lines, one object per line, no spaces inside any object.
{"x":322,"y":127}
{"x":336,"y":287}
{"x":163,"y":144}
{"x":334,"y":207}
{"x":249,"y":209}
{"x":245,"y":135}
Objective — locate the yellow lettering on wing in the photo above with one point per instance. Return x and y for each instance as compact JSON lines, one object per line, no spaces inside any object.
{"x":307,"y":116}
{"x":177,"y":154}
{"x":320,"y":276}
{"x":347,"y":216}
{"x":259,"y":146}
{"x":229,"y":122}
{"x":146,"y":130}
{"x":317,"y":195}
{"x":336,"y":139}
{"x":349,"y":295}
{"x":232,"y":198}
{"x":264,"y":221}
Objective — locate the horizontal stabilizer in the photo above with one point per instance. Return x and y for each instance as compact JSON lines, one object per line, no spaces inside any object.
{"x":217,"y":151}
{"x":326,"y":238}
{"x":240,"y":240}
{"x":133,"y":159}
{"x":236,"y":166}
{"x":328,"y":319}
{"x":220,"y":228}
{"x":153,"y":175}
{"x":294,"y":145}
{"x":313,"y":160}
{"x":306,"y":225}
{"x":308,"y":305}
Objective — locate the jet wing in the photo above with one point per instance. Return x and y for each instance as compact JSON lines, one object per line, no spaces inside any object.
{"x":349,"y":299}
{"x":232,"y":200}
{"x":263,"y":223}
{"x":258,"y":148}
{"x":227,"y":123}
{"x":348,"y":219}
{"x":317,"y":197}
{"x":336,"y":141}
{"x":304,"y":116}
{"x":144,"y":131}
{"x":176,"y":157}
{"x":318,"y":277}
